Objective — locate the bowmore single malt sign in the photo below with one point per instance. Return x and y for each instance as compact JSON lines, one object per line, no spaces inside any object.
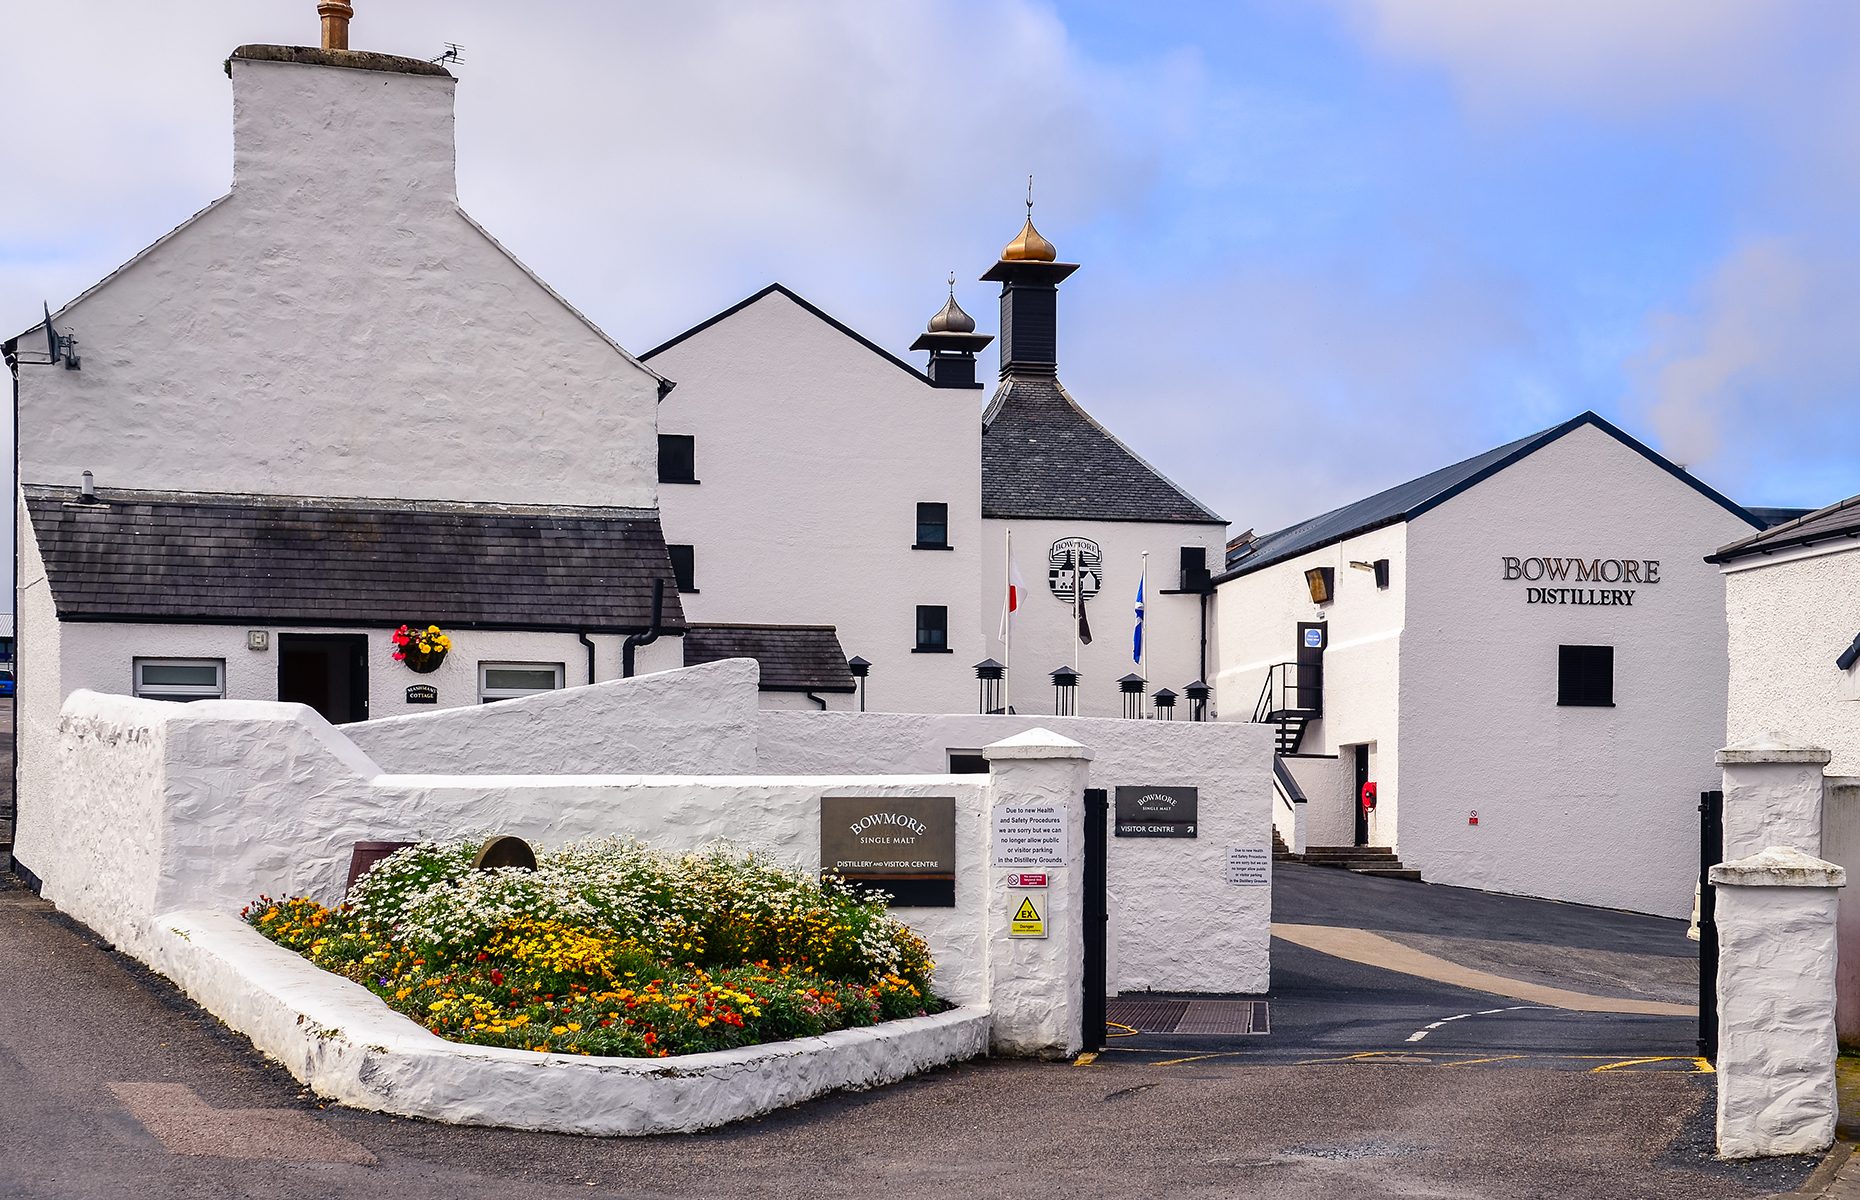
{"x":904,"y":845}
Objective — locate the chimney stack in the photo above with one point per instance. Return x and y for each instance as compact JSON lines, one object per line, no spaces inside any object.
{"x":335,"y":14}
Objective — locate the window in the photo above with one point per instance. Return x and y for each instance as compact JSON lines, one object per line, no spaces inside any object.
{"x":932,"y":629}
{"x":181,"y":679}
{"x":1585,"y":676}
{"x":967,"y":762}
{"x":503,"y":681}
{"x":677,"y":458}
{"x":684,"y":567}
{"x":1195,"y":577}
{"x":932,"y":527}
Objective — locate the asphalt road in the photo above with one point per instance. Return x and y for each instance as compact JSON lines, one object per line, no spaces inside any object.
{"x":195,"y":1111}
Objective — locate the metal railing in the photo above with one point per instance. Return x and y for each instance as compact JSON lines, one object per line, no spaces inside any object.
{"x":1283,"y":693}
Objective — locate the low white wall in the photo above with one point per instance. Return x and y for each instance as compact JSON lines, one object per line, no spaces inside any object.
{"x":342,"y":1042}
{"x":1176,"y":925}
{"x":1330,"y":810}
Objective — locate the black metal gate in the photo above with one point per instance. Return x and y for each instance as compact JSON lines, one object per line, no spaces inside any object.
{"x":1097,"y":914}
{"x":1711,"y":853}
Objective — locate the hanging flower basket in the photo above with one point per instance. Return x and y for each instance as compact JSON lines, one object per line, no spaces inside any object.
{"x":421,"y":649}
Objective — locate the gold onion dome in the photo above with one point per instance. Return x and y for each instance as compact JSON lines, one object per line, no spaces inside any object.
{"x":952,"y":319}
{"x":1029,"y":246}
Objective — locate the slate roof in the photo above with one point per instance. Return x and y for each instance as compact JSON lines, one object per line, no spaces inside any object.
{"x":1772,"y":517}
{"x":1044,"y":457}
{"x":794,"y":658}
{"x":1406,"y":501}
{"x":218,"y":558}
{"x":1837,"y":521}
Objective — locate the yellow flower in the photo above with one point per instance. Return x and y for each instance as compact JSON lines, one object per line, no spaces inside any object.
{"x":559,"y":1029}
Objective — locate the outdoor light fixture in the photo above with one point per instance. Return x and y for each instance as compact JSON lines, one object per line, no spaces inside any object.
{"x":1165,"y":705}
{"x":1132,"y":686}
{"x":1323,"y":584}
{"x":989,"y":673}
{"x":860,"y":668}
{"x":1197,"y":693}
{"x":1065,"y":692}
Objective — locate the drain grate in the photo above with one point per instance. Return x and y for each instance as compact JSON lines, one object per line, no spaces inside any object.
{"x":1189,"y":1016}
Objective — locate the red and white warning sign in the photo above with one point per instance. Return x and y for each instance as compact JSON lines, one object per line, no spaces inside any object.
{"x":1020,"y":881}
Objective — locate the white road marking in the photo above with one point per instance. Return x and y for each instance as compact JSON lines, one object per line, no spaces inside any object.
{"x":1418,"y":1034}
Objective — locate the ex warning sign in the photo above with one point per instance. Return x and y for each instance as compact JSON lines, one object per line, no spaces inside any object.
{"x":1027,"y":913}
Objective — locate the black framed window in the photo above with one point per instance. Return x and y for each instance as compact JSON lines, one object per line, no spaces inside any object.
{"x":932,"y":527}
{"x":684,"y":567}
{"x":1195,"y":577}
{"x":932,"y":629}
{"x":677,"y":458}
{"x":1585,"y":676}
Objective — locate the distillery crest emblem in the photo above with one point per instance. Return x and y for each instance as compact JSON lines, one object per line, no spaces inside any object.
{"x":1074,"y":558}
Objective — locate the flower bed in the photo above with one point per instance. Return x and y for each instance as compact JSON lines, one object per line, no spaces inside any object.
{"x":609,"y":948}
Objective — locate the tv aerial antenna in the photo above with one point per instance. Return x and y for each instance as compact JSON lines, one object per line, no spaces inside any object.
{"x":454,"y":53}
{"x":59,"y":347}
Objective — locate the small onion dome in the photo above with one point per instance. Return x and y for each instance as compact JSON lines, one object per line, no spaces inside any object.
{"x":952,"y":319}
{"x":1029,"y":246}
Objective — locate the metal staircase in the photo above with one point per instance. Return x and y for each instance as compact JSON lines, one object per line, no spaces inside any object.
{"x":1291,"y":699}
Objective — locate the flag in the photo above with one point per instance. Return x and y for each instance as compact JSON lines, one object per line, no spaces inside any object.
{"x":1078,"y":594}
{"x":1016,"y":595}
{"x":1136,"y":641}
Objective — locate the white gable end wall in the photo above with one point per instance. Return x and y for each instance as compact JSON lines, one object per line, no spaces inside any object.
{"x":336,"y":326}
{"x":1592,"y":805}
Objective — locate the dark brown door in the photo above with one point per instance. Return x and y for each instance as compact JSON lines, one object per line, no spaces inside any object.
{"x":1313,"y":636}
{"x":327,"y":671}
{"x":1362,"y":781}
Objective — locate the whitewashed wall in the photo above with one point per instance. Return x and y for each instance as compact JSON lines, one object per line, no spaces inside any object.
{"x":1176,"y":925}
{"x":37,"y":699}
{"x":1259,"y":616}
{"x":1791,"y":613}
{"x":336,"y":326}
{"x":812,"y":454}
{"x":1593,"y":805}
{"x":1043,"y":629}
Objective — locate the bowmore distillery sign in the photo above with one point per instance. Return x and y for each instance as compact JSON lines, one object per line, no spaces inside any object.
{"x":1580,"y":570}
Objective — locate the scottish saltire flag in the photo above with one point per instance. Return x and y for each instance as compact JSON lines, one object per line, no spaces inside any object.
{"x":1136,"y":641}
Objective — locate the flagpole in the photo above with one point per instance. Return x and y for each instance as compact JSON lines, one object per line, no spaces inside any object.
{"x":1078,"y":596}
{"x":1143,"y":586}
{"x":1007,"y":635}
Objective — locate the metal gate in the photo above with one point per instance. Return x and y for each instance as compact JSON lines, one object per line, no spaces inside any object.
{"x":1711,"y":853}
{"x":1097,"y":914}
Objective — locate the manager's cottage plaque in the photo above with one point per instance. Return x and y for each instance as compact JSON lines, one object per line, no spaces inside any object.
{"x":1157,"y":811}
{"x":905,"y":846}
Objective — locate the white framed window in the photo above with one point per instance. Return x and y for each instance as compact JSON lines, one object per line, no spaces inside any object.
{"x":506,"y":680}
{"x":181,"y":679}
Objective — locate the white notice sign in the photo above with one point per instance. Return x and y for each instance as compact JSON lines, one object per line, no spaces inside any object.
{"x":1030,"y":836}
{"x":1249,"y":867}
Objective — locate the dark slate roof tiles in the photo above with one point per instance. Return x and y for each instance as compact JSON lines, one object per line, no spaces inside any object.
{"x":1837,"y":521}
{"x":794,"y":658}
{"x":221,"y":558}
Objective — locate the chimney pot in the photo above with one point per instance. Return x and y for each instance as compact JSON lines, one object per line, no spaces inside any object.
{"x":335,"y":14}
{"x":88,"y":489}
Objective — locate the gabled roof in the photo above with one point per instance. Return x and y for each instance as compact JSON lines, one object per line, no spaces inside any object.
{"x":772,"y":288}
{"x":794,"y":658}
{"x":1406,"y":501}
{"x":1043,"y":457}
{"x":1837,"y":521}
{"x":219,"y":558}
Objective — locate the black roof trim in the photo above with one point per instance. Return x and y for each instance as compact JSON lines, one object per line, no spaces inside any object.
{"x":1377,"y":516}
{"x":844,"y":328}
{"x":1840,"y":519}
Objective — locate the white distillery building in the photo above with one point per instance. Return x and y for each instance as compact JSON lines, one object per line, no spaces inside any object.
{"x":1792,"y":599}
{"x":1524,"y":654}
{"x":327,"y":405}
{"x":862,"y":507}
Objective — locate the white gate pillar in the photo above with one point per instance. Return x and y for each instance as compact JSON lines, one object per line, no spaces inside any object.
{"x":1772,"y":796}
{"x":1776,"y":1037}
{"x":1035,"y":985}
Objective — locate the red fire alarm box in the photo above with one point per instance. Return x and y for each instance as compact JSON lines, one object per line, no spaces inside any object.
{"x":1369,"y":797}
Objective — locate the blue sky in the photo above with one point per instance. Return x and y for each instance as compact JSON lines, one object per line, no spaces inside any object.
{"x":1327,"y":245}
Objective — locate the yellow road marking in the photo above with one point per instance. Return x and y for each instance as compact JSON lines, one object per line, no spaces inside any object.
{"x":1470,"y":1061}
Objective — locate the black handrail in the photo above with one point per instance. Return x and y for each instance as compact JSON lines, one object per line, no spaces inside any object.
{"x":1283,"y":693}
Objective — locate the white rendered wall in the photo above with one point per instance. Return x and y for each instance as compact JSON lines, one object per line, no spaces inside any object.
{"x":1592,"y":805}
{"x":37,"y":698}
{"x":1176,"y":925}
{"x":1259,"y":617}
{"x":812,"y":454}
{"x":1791,"y":614}
{"x":336,"y":326}
{"x":1043,"y":628}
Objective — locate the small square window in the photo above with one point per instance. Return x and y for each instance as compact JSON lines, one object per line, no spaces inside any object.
{"x":932,"y":527}
{"x":684,"y":566}
{"x":505,"y":681}
{"x":180,"y":679}
{"x":1585,"y":676}
{"x":677,"y":458}
{"x":932,"y":629}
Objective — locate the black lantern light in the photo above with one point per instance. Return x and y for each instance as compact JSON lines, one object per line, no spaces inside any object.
{"x":1197,"y":693}
{"x":989,"y":673}
{"x":1165,"y":705}
{"x":1065,"y":692}
{"x":860,"y":668}
{"x":1132,"y":686}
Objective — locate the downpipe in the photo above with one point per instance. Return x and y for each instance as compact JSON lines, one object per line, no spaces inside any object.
{"x":636,"y":640}
{"x":582,"y":637}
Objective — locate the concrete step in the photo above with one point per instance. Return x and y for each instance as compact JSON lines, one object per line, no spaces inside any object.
{"x":1388,"y":873}
{"x":1281,"y":852}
